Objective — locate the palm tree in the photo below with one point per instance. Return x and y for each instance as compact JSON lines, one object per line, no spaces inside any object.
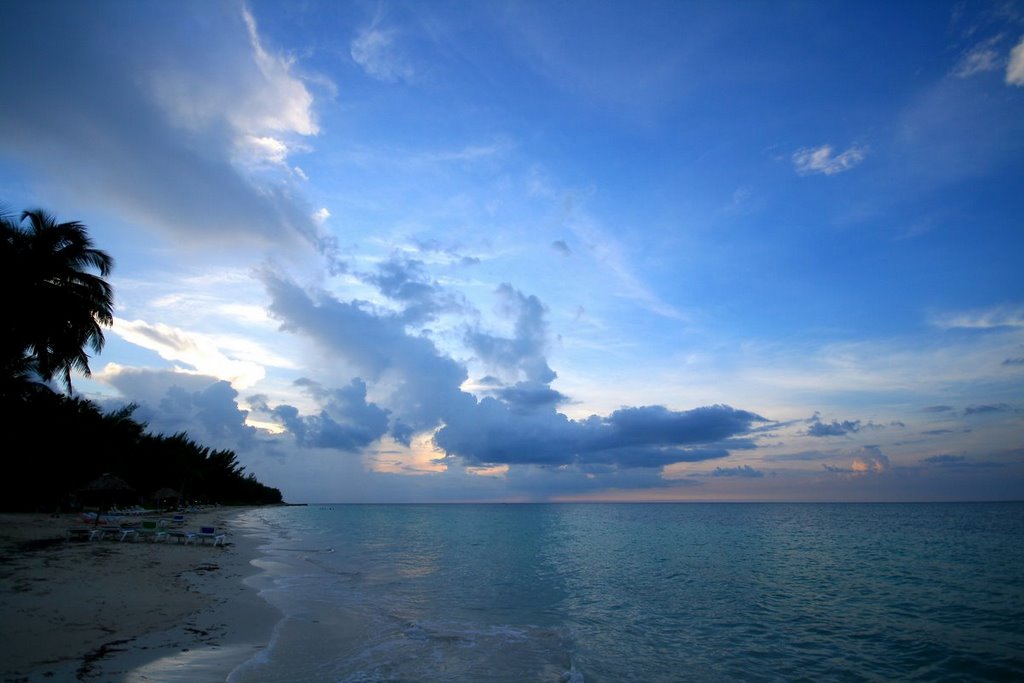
{"x":57,"y":307}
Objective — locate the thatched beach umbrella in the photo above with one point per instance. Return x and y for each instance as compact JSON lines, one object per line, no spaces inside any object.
{"x":106,"y":490}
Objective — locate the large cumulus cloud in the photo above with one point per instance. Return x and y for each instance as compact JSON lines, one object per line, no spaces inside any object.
{"x":345,"y":421}
{"x":649,"y":436}
{"x":171,"y":402}
{"x":421,"y":387}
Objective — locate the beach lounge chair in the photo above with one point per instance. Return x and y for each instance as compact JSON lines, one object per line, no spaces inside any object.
{"x":176,"y":520}
{"x":151,"y":529}
{"x":119,"y":532}
{"x":204,"y":533}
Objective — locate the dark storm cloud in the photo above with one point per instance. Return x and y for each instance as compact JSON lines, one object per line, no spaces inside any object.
{"x":85,"y":111}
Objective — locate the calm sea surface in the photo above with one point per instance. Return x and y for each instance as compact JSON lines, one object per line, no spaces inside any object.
{"x":688,"y":592}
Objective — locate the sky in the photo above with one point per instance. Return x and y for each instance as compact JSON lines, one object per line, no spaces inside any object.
{"x":535,"y":251}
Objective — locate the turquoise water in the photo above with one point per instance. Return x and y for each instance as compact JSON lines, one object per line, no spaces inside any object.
{"x":687,"y":592}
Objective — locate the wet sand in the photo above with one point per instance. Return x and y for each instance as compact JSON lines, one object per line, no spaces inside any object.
{"x":132,"y":611}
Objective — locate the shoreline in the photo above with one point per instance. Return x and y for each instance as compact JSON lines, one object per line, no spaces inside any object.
{"x":133,"y":611}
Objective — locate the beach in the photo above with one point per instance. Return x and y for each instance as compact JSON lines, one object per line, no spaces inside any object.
{"x":127,"y":611}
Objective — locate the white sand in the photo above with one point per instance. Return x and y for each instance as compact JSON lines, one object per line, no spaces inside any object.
{"x":111,"y":611}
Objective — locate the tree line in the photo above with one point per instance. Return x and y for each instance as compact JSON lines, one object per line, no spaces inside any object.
{"x":56,"y":305}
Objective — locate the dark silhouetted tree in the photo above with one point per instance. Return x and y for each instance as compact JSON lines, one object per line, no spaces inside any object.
{"x":56,"y":306}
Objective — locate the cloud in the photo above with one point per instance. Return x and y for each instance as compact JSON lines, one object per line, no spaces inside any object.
{"x":868,"y":460}
{"x":163,"y":138}
{"x":1014,"y":361}
{"x":809,"y":160}
{"x":346,"y":421}
{"x":405,"y":280}
{"x":374,"y":50}
{"x":937,"y":409}
{"x":982,"y":319}
{"x":197,"y":350}
{"x":420,"y":384}
{"x":529,"y":396}
{"x":608,"y":252}
{"x":740,"y":471}
{"x":834,"y":428}
{"x":522,"y":356}
{"x":958,"y":462}
{"x":1015,"y":67}
{"x":282,"y":103}
{"x":264,"y":149}
{"x":422,"y":390}
{"x":648,"y":436}
{"x":170,"y":402}
{"x":983,"y":409}
{"x":872,"y":463}
{"x":321,"y":215}
{"x":561,"y":247}
{"x":979,"y":59}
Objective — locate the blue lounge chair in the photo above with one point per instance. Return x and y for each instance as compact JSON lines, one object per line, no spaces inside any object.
{"x":204,"y":533}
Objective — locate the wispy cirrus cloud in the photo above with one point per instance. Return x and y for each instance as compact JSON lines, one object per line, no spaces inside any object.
{"x":167,"y":140}
{"x":982,"y":319}
{"x":979,"y":59}
{"x":375,"y":50}
{"x":1015,"y":67}
{"x":267,"y":110}
{"x":201,"y":352}
{"x":824,"y":160}
{"x":958,"y":461}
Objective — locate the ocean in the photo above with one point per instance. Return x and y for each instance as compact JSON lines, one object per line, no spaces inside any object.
{"x":642,"y":592}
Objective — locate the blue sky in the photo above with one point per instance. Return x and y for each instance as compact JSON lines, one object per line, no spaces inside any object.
{"x":548,"y":251}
